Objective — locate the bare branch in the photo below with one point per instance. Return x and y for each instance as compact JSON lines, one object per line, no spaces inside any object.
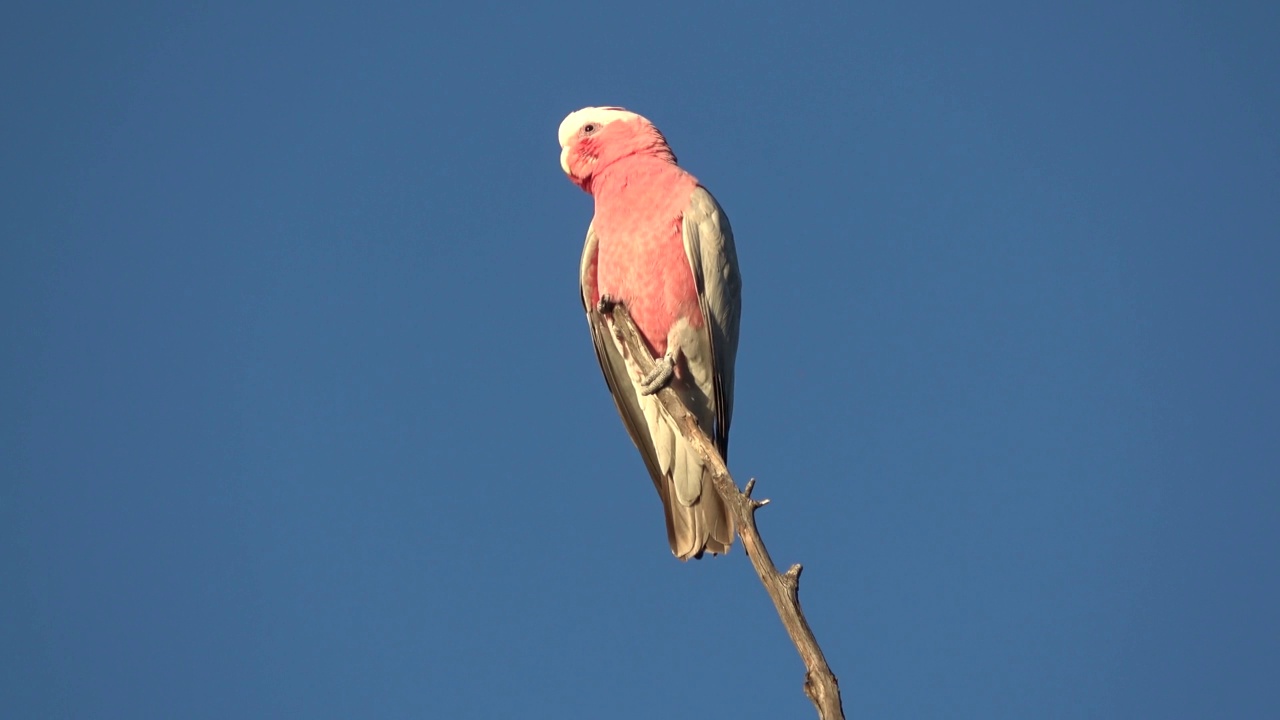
{"x":820,"y":684}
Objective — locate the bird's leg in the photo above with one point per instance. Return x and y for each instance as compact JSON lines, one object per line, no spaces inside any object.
{"x":659,"y":376}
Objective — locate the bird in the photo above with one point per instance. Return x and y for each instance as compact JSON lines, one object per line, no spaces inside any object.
{"x":661,"y":245}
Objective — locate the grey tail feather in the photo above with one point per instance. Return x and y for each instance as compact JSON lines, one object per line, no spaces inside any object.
{"x":706,"y":526}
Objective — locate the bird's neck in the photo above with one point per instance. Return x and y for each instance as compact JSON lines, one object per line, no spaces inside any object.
{"x":636,"y":172}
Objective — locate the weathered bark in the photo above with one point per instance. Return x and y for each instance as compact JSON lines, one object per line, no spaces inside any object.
{"x":820,"y":683}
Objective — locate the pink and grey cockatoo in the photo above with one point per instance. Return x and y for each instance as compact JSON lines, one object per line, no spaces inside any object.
{"x":660,"y":245}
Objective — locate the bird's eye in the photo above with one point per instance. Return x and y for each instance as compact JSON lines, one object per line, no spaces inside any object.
{"x":589,"y":128}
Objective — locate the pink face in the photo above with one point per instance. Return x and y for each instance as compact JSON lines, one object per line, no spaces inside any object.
{"x":583,"y":152}
{"x":593,"y":137}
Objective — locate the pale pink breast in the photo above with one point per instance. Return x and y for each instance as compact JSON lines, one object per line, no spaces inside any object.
{"x":641,"y":258}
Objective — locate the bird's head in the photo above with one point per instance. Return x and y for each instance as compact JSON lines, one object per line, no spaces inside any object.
{"x":593,"y":138}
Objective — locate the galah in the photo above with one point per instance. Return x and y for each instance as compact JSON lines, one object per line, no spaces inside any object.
{"x":660,"y":244}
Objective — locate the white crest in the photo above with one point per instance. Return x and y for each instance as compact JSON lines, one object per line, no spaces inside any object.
{"x":602,"y":115}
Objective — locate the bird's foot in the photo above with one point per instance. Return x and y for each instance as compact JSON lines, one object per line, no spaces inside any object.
{"x":659,"y":376}
{"x":607,"y":304}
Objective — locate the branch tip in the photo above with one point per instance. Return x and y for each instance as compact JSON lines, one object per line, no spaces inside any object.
{"x":792,"y":575}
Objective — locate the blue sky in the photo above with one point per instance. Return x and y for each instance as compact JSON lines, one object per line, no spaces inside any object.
{"x":300,"y":418}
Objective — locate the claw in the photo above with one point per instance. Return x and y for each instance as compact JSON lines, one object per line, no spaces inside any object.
{"x":659,"y":376}
{"x":607,"y":304}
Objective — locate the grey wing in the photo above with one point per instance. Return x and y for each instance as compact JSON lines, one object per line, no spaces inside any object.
{"x":616,"y":375}
{"x":708,"y":244}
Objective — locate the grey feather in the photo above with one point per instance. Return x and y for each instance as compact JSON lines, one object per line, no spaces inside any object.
{"x":708,"y":244}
